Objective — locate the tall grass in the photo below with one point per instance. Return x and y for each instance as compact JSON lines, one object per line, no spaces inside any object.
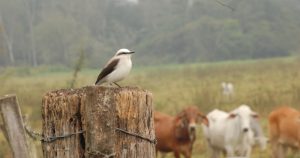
{"x":262,"y":84}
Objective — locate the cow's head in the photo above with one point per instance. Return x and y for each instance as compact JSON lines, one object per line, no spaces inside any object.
{"x":244,"y":116}
{"x":187,"y":120}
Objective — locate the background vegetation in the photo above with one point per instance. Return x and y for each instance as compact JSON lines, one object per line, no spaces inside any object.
{"x":43,"y":32}
{"x":262,"y":84}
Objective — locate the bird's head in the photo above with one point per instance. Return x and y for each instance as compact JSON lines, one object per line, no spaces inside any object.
{"x":124,"y":51}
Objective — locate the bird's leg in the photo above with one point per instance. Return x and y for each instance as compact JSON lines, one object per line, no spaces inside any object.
{"x":110,"y":84}
{"x":117,"y":84}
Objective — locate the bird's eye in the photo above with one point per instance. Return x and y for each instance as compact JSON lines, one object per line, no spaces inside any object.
{"x":121,"y":53}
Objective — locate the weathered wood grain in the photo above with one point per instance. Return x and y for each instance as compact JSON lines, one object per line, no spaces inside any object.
{"x":99,"y":111}
{"x":62,"y":114}
{"x":13,"y":123}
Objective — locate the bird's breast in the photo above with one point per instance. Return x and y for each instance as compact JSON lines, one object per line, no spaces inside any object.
{"x":125,"y":64}
{"x":121,"y":71}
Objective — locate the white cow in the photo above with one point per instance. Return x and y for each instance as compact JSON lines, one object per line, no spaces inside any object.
{"x":228,"y":89}
{"x":233,"y":133}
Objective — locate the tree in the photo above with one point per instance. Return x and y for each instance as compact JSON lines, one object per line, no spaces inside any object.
{"x":30,"y":11}
{"x":9,"y":41}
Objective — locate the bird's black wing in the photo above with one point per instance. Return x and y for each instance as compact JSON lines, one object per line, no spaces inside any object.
{"x":107,"y":70}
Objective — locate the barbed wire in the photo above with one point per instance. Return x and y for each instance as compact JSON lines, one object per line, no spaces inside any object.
{"x":97,"y":153}
{"x":38,"y":136}
{"x":154,"y":141}
{"x":33,"y":134}
{"x":53,"y":138}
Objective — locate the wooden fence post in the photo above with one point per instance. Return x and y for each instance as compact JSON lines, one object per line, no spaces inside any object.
{"x":117,"y":122}
{"x":13,"y":123}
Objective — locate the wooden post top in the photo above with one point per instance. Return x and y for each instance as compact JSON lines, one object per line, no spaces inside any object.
{"x":116,"y":121}
{"x":80,"y":90}
{"x":8,"y":96}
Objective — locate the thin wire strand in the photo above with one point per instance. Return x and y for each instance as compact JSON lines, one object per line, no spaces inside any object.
{"x":154,"y":141}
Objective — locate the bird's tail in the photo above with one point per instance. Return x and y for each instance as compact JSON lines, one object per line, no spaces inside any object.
{"x":98,"y":82}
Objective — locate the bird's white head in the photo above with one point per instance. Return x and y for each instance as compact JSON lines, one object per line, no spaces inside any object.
{"x":124,"y":51}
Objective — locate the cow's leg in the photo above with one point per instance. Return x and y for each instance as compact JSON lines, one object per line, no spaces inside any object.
{"x":187,"y":153}
{"x":274,"y":148}
{"x":278,"y":149}
{"x":295,"y":151}
{"x":281,"y":151}
{"x":248,"y":151}
{"x":284,"y":150}
{"x":223,"y":152}
{"x":229,"y":151}
{"x":176,"y":154}
{"x":215,"y":153}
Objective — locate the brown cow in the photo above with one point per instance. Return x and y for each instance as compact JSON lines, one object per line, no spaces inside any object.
{"x":284,"y":130}
{"x":177,"y":134}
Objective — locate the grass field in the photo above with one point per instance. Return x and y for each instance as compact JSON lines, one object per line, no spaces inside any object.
{"x":262,"y":84}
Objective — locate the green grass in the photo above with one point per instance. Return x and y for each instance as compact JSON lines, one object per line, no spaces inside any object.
{"x":262,"y":84}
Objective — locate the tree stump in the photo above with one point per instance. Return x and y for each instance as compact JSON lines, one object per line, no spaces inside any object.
{"x":96,"y":122}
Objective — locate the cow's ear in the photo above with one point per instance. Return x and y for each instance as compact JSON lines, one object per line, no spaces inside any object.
{"x":204,"y":119}
{"x":255,"y":115}
{"x":179,"y":123}
{"x":181,"y":114}
{"x":232,"y":115}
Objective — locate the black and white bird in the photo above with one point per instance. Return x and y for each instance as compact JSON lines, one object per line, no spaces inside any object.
{"x":117,"y":68}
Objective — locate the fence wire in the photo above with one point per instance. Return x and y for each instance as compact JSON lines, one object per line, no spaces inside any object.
{"x":98,"y":153}
{"x":154,"y":141}
{"x":39,"y":136}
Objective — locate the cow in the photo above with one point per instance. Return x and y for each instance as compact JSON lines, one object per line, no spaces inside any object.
{"x":177,"y":134}
{"x":284,"y":130}
{"x":233,"y":133}
{"x":227,"y":91}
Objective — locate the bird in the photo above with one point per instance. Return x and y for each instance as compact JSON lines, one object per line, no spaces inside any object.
{"x":117,"y":68}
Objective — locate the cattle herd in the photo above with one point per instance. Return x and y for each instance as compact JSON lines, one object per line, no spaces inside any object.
{"x":232,"y":134}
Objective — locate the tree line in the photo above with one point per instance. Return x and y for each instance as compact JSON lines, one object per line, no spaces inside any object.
{"x":42,"y":32}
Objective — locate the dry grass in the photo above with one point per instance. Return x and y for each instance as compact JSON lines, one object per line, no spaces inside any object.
{"x":262,"y":84}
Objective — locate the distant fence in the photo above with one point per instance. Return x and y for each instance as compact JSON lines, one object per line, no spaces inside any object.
{"x":95,"y":122}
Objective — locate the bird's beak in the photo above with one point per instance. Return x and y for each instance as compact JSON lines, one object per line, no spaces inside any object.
{"x":131,"y":52}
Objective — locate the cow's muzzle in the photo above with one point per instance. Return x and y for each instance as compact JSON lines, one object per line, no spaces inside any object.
{"x":192,"y":131}
{"x":192,"y":127}
{"x":245,"y":130}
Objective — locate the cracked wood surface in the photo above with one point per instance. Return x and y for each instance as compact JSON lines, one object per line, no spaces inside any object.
{"x":98,"y":111}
